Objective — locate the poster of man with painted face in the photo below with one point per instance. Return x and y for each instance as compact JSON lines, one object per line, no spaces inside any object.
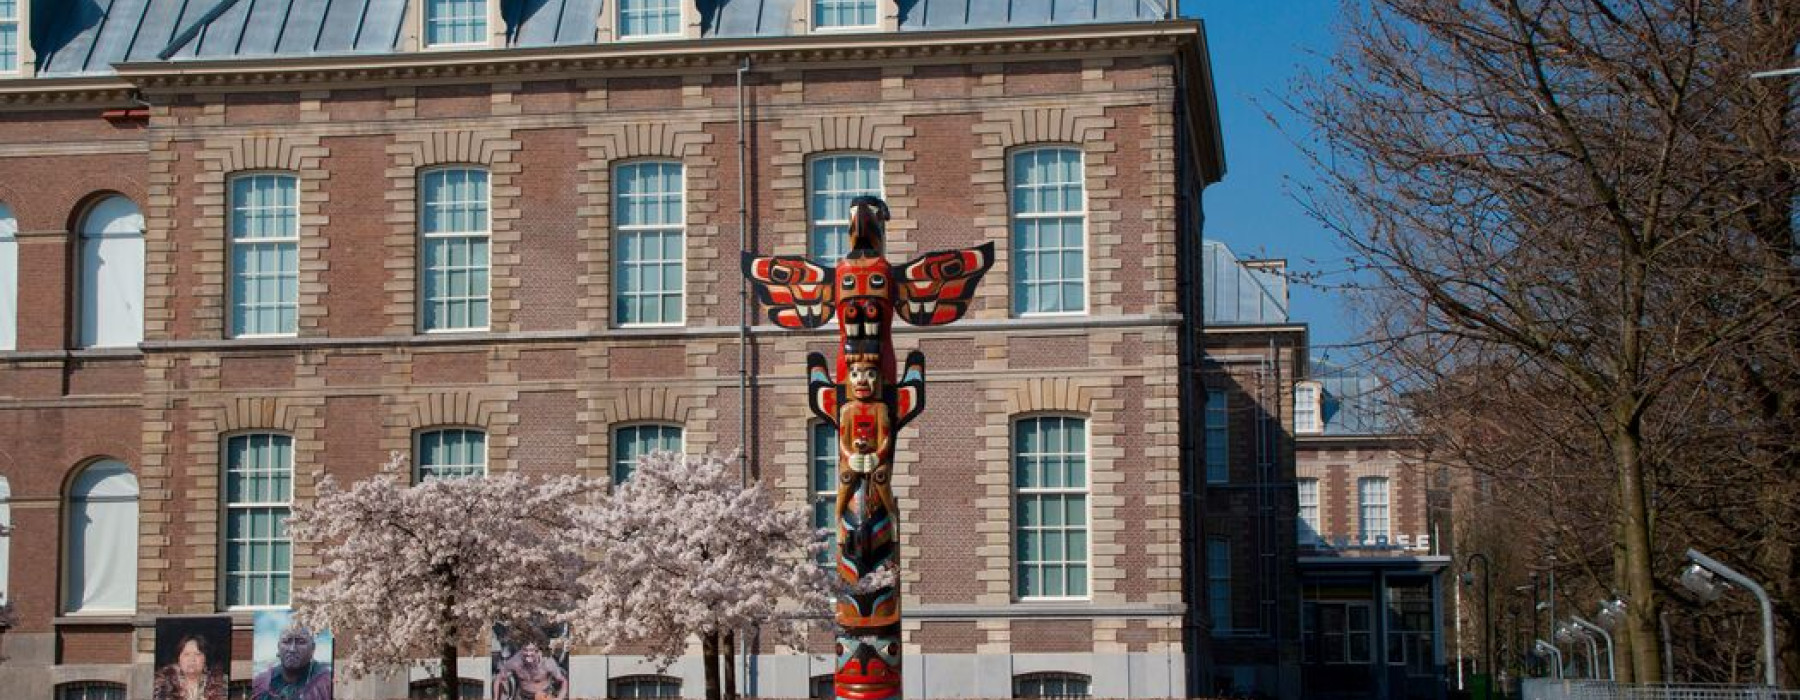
{"x":291,"y":661}
{"x":526,"y":665}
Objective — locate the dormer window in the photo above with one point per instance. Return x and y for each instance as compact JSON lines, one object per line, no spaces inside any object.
{"x":844,"y":14}
{"x":643,"y":19}
{"x":451,"y":23}
{"x":9,"y":36}
{"x":1307,"y":417}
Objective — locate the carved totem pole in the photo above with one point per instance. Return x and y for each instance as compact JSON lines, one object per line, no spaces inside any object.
{"x":868,"y":405}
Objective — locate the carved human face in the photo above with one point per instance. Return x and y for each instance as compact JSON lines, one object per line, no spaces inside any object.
{"x":191,"y":660}
{"x":295,"y":651}
{"x":865,"y":381}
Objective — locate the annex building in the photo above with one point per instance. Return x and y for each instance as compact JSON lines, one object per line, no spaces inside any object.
{"x":247,"y":243}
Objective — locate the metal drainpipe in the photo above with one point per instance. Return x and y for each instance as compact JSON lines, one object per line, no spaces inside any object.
{"x":749,"y":438}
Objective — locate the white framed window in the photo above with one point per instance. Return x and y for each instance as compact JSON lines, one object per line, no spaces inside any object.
{"x":1307,"y":416}
{"x":265,"y":254}
{"x":9,"y":280}
{"x":1372,"y":502}
{"x":451,"y":453}
{"x":822,"y":458}
{"x":455,"y":23}
{"x":1052,"y":684}
{"x":1218,"y":584}
{"x":1218,"y":437}
{"x":642,"y":19}
{"x":634,"y":441}
{"x":832,"y":182}
{"x":112,"y":275}
{"x":1050,"y":477}
{"x":102,"y":540}
{"x":9,"y":36}
{"x":1307,"y":491}
{"x":90,"y":690}
{"x":650,"y":209}
{"x":1049,"y":210}
{"x":455,"y":230}
{"x":843,"y":14}
{"x":643,"y":687}
{"x":259,"y":487}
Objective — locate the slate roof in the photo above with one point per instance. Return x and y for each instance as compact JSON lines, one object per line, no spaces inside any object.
{"x":86,"y":37}
{"x":1236,"y":294}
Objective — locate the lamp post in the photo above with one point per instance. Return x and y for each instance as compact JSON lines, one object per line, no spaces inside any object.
{"x":1611,"y":669}
{"x":1698,"y":578}
{"x":1568,"y":633}
{"x":1487,"y":605}
{"x":1545,"y":648}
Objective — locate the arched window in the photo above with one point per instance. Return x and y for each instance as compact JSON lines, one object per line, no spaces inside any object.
{"x":259,"y":488}
{"x":112,"y":275}
{"x":103,"y":540}
{"x":9,"y":279}
{"x":832,"y":182}
{"x":650,"y":215}
{"x":90,"y":690}
{"x":427,"y":689}
{"x":451,"y":453}
{"x":454,"y":230}
{"x":1051,"y":685}
{"x":265,"y":254}
{"x":643,"y":687}
{"x":1049,"y":210}
{"x":634,"y":441}
{"x":1050,"y":478}
{"x":822,"y":456}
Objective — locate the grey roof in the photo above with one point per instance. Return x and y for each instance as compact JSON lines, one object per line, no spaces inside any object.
{"x":1355,"y":402}
{"x":1236,"y":294}
{"x":86,"y":37}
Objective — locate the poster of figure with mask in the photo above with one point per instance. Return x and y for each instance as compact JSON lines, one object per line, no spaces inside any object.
{"x":193,"y":656}
{"x":527,"y":665}
{"x":291,"y":662}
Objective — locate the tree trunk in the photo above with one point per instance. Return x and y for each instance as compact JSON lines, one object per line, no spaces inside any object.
{"x":447,"y":684}
{"x":730,"y":654}
{"x":447,"y":629}
{"x":1640,"y":581}
{"x":1622,"y":642}
{"x":709,"y":658}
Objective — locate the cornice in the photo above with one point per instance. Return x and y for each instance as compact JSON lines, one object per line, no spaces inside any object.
{"x":666,"y":57}
{"x":36,"y":94}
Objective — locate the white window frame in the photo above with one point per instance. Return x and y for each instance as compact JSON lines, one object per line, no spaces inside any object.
{"x":20,"y":39}
{"x":813,"y":16}
{"x":1308,"y":408}
{"x":814,"y":192}
{"x":618,"y":445}
{"x":1218,"y":578}
{"x":619,"y":22}
{"x":419,"y":466}
{"x":1306,"y":495}
{"x":9,"y":277}
{"x":621,"y":232}
{"x":486,"y":233}
{"x":1085,"y":491}
{"x":484,"y":33}
{"x":1014,"y":217}
{"x":1366,"y":505}
{"x":229,"y":539}
{"x":1217,"y":425}
{"x":236,"y":238}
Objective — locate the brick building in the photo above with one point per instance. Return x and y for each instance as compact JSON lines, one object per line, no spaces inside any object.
{"x":246,"y":243}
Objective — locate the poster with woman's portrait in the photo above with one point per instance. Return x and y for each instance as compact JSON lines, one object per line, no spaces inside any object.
{"x":193,"y":658}
{"x":290,"y":661}
{"x":527,"y":665}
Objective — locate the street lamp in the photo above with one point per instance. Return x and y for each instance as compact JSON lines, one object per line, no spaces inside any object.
{"x":1611,"y":669}
{"x":1487,"y":604}
{"x":1569,"y":633}
{"x":1698,"y":578}
{"x":1544,"y":648}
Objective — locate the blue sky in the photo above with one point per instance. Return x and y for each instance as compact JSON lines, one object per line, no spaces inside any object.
{"x":1258,"y":48}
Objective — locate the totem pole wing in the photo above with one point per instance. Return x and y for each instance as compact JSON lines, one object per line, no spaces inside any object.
{"x":796,"y":291}
{"x":821,"y":391}
{"x":937,"y":288}
{"x":909,"y":392}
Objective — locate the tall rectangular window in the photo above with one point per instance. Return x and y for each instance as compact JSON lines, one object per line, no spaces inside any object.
{"x":454,"y":453}
{"x":832,"y":183}
{"x":1306,"y":408}
{"x":651,"y":217}
{"x":1218,"y":437}
{"x":634,"y":441}
{"x":259,"y":484}
{"x":1308,"y":490}
{"x":9,"y":36}
{"x":265,"y":255}
{"x":454,"y":228}
{"x":1218,"y":583}
{"x":822,"y":456}
{"x":112,"y":275}
{"x":1049,"y":209}
{"x":843,"y":14}
{"x":9,"y":279}
{"x":455,"y":22}
{"x":1050,"y":477}
{"x":1372,"y":499}
{"x":647,"y":18}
